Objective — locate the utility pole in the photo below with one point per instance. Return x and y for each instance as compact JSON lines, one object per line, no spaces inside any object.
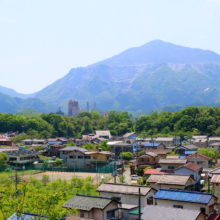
{"x":139,"y":204}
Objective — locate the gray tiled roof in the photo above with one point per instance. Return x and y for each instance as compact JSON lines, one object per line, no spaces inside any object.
{"x":84,"y":202}
{"x":157,"y":212}
{"x":172,"y":161}
{"x":216,"y":171}
{"x":22,"y":152}
{"x":72,"y":148}
{"x":123,"y":189}
{"x":188,"y":146}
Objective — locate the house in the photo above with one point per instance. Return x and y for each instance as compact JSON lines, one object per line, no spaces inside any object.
{"x":97,"y":140}
{"x":161,"y":153}
{"x":195,"y":137}
{"x":157,"y":212}
{"x":60,"y":141}
{"x":200,"y":201}
{"x":201,"y":143}
{"x":5,"y":142}
{"x":54,"y":149}
{"x":152,"y":145}
{"x":167,"y":141}
{"x":103,"y":134}
{"x":120,"y":147}
{"x":193,"y":170}
{"x":215,"y":145}
{"x":185,"y":150}
{"x":94,"y":207}
{"x":128,"y":193}
{"x":99,"y":158}
{"x":37,"y":142}
{"x":130,"y":136}
{"x":75,"y":157}
{"x":171,"y":181}
{"x":171,"y":164}
{"x":147,"y":160}
{"x":212,"y":140}
{"x":199,"y":159}
{"x":149,"y":172}
{"x":22,"y":156}
{"x":215,"y":180}
{"x":172,"y":157}
{"x":125,"y":209}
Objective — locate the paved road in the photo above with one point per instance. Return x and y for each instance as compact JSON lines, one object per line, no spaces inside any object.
{"x":127,"y":175}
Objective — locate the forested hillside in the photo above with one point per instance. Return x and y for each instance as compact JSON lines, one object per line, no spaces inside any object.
{"x":189,"y":121}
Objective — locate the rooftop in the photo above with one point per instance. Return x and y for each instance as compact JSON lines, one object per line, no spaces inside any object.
{"x":72,"y":148}
{"x":172,"y":157}
{"x":151,"y":154}
{"x":21,"y":152}
{"x":190,"y":166}
{"x":188,"y":147}
{"x":128,"y":134}
{"x":152,"y":144}
{"x":157,"y":212}
{"x":123,"y":189}
{"x":87,"y":203}
{"x":184,"y":196}
{"x":200,"y":137}
{"x":160,"y":151}
{"x":128,"y":206}
{"x":200,"y":155}
{"x":172,"y":161}
{"x":215,"y":171}
{"x":136,"y":211}
{"x":165,"y":139}
{"x":153,"y":171}
{"x":215,"y":179}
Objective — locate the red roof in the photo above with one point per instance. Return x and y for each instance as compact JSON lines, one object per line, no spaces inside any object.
{"x":214,"y":217}
{"x":191,"y":166}
{"x":153,"y":171}
{"x":208,"y":158}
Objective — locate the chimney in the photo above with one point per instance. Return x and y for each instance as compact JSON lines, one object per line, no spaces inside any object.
{"x":94,"y":106}
{"x":87,"y":106}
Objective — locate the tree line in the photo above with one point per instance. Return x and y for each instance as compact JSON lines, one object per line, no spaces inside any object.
{"x":187,"y":122}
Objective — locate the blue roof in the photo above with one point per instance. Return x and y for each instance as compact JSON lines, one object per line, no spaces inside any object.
{"x":183,"y":196}
{"x":152,"y":144}
{"x":189,"y":152}
{"x":182,"y":156}
{"x":54,"y":142}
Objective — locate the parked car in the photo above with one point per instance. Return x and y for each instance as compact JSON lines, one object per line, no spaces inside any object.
{"x":135,"y":177}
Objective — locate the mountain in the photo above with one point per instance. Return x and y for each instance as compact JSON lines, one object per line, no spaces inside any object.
{"x":143,"y":78}
{"x":13,"y":93}
{"x":14,"y":105}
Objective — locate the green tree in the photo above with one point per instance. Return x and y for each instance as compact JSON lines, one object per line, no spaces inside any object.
{"x":127,"y":155}
{"x":122,"y":179}
{"x":79,"y":183}
{"x":45,"y":179}
{"x":71,"y":144}
{"x":3,"y":157}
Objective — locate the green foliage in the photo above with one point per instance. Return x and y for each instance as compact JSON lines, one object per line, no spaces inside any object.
{"x":104,"y":146}
{"x":30,"y":112}
{"x":212,"y":153}
{"x":141,"y":153}
{"x":173,"y":153}
{"x":89,"y":147}
{"x":79,"y":183}
{"x":3,"y":157}
{"x":45,"y":179}
{"x":71,"y":144}
{"x":122,"y":179}
{"x":127,"y":155}
{"x":58,"y":161}
{"x":38,"y":148}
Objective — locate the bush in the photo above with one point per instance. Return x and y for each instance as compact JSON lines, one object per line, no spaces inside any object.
{"x":127,"y":155}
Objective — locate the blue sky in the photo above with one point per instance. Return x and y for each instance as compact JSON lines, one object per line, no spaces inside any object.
{"x":40,"y":41}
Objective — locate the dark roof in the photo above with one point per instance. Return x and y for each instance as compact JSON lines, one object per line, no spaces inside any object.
{"x":21,"y":152}
{"x":214,"y":217}
{"x":188,"y":147}
{"x":72,"y":148}
{"x":184,"y":196}
{"x":87,"y":203}
{"x":123,"y":189}
{"x":157,"y":212}
{"x":190,"y":166}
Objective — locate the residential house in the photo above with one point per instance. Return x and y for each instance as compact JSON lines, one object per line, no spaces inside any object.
{"x":4,"y":149}
{"x":167,"y":141}
{"x":22,"y":156}
{"x":125,"y":209}
{"x":99,"y":158}
{"x":120,"y":147}
{"x":201,"y":143}
{"x":200,"y":201}
{"x":93,"y":207}
{"x":128,"y":193}
{"x":186,"y":150}
{"x":171,"y":164}
{"x":54,"y":149}
{"x":161,"y":153}
{"x":60,"y":141}
{"x":172,"y":157}
{"x":193,"y":170}
{"x":97,"y":140}
{"x":147,"y":160}
{"x":103,"y":134}
{"x":130,"y":136}
{"x":75,"y":157}
{"x":5,"y":142}
{"x":116,"y":138}
{"x":199,"y":159}
{"x":212,"y":140}
{"x":157,"y":212}
{"x":215,"y":180}
{"x":80,"y":142}
{"x":215,"y":145}
{"x":199,"y":137}
{"x":171,"y":181}
{"x":149,"y":172}
{"x":152,"y":145}
{"x":176,"y":140}
{"x":36,"y":142}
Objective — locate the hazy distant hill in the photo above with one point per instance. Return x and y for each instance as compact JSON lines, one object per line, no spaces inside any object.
{"x":14,"y":105}
{"x":152,"y":76}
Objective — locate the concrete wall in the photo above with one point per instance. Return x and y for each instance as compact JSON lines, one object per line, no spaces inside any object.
{"x":77,"y":162}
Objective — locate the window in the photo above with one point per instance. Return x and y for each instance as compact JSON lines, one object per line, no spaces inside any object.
{"x":110,"y":214}
{"x":178,"y":206}
{"x":81,"y":214}
{"x":171,"y":167}
{"x":199,"y":163}
{"x":73,"y":157}
{"x":150,"y":200}
{"x":203,"y":210}
{"x":87,"y":157}
{"x":80,"y":157}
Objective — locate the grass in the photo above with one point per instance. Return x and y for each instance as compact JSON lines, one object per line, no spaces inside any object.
{"x":19,"y":173}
